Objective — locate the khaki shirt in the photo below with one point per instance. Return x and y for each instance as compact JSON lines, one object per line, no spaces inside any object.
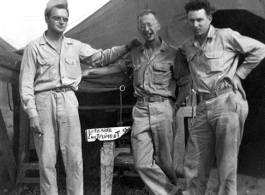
{"x":158,"y":75}
{"x":217,"y":58}
{"x":43,"y":68}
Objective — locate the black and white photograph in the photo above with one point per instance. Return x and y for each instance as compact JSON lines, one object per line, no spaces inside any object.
{"x":132,"y":97}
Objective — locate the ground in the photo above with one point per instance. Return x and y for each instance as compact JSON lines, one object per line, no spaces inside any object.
{"x":251,"y":176}
{"x":131,"y":184}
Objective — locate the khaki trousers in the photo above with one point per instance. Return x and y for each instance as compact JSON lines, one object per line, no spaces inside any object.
{"x":152,"y":145}
{"x":59,"y":120}
{"x":216,"y":132}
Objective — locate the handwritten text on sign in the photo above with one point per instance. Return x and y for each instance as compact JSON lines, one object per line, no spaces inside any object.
{"x":105,"y":134}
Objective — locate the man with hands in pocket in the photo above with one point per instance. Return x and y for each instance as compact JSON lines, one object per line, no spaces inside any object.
{"x":158,"y":70}
{"x":50,"y":73}
{"x":212,"y":55}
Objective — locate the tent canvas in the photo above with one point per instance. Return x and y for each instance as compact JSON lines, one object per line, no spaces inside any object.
{"x":115,"y":24}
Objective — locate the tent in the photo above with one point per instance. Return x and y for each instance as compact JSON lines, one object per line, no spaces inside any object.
{"x":115,"y":24}
{"x":9,"y":71}
{"x":4,"y":46}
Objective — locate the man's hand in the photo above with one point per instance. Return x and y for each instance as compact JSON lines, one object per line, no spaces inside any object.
{"x":176,"y":107}
{"x":87,"y":72}
{"x":133,"y":43}
{"x":34,"y":125}
{"x":238,"y":86}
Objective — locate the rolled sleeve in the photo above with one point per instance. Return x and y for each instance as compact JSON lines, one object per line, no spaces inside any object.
{"x":251,"y":48}
{"x":94,"y":57}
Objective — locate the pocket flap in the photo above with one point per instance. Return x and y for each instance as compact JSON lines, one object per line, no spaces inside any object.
{"x":190,"y":57}
{"x":214,"y":55}
{"x":46,"y":61}
{"x":70,"y":61}
{"x":162,"y":66}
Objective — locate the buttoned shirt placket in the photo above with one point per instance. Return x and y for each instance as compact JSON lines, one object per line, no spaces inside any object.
{"x":149,"y":60}
{"x":59,"y":55}
{"x":199,"y":51}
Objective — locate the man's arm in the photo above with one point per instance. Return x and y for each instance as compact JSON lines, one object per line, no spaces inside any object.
{"x":182,"y":75}
{"x":26,"y":88}
{"x":182,"y":94}
{"x":115,"y":68}
{"x":254,"y":52}
{"x":93,"y":57}
{"x":124,"y":66}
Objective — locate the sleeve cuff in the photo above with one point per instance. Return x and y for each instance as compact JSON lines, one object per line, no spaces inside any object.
{"x":32,"y":113}
{"x":120,"y":50}
{"x":241,"y":73}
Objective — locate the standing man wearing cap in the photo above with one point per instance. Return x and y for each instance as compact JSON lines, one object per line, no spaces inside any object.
{"x":50,"y":73}
{"x":213,"y":56}
{"x":158,"y":69}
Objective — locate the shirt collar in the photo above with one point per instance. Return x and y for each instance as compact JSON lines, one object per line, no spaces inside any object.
{"x":162,"y":47}
{"x":44,"y":40}
{"x":211,"y":32}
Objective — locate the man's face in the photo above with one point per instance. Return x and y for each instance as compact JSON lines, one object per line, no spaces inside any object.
{"x":57,"y":21}
{"x":199,"y":21}
{"x":148,"y":27}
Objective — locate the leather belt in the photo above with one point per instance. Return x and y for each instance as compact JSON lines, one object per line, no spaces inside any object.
{"x":61,"y":89}
{"x":154,"y":98}
{"x":57,"y":90}
{"x":208,"y":96}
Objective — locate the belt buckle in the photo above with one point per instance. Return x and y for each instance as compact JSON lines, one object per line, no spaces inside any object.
{"x":57,"y":90}
{"x":216,"y":93}
{"x":151,"y":99}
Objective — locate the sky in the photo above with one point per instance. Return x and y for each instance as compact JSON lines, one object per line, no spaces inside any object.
{"x":23,"y":20}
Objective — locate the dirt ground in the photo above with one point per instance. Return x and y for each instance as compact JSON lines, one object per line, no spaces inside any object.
{"x":251,"y":176}
{"x":130,"y":184}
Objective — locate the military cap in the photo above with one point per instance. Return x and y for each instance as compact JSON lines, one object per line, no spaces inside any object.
{"x":53,"y":3}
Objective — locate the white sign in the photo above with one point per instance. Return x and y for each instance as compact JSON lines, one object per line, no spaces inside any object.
{"x":106,"y":134}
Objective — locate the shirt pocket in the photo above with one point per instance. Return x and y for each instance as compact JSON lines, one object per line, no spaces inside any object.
{"x":190,"y":57}
{"x":72,"y":68}
{"x":47,"y":69}
{"x":137,"y":75}
{"x":214,"y":61}
{"x":162,"y":73}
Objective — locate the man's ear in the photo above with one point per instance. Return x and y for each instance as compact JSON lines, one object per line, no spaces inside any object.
{"x":158,"y":25}
{"x":46,"y":19}
{"x":138,"y":29}
{"x":210,"y":18}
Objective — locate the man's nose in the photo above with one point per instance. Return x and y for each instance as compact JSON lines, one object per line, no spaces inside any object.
{"x":146,"y":28}
{"x":195,"y":24}
{"x":61,"y":21}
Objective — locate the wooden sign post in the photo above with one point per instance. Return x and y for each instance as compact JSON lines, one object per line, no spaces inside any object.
{"x":108,"y":136}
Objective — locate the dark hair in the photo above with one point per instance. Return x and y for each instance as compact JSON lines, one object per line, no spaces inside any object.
{"x":195,"y":5}
{"x":146,"y":12}
{"x":59,"y":6}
